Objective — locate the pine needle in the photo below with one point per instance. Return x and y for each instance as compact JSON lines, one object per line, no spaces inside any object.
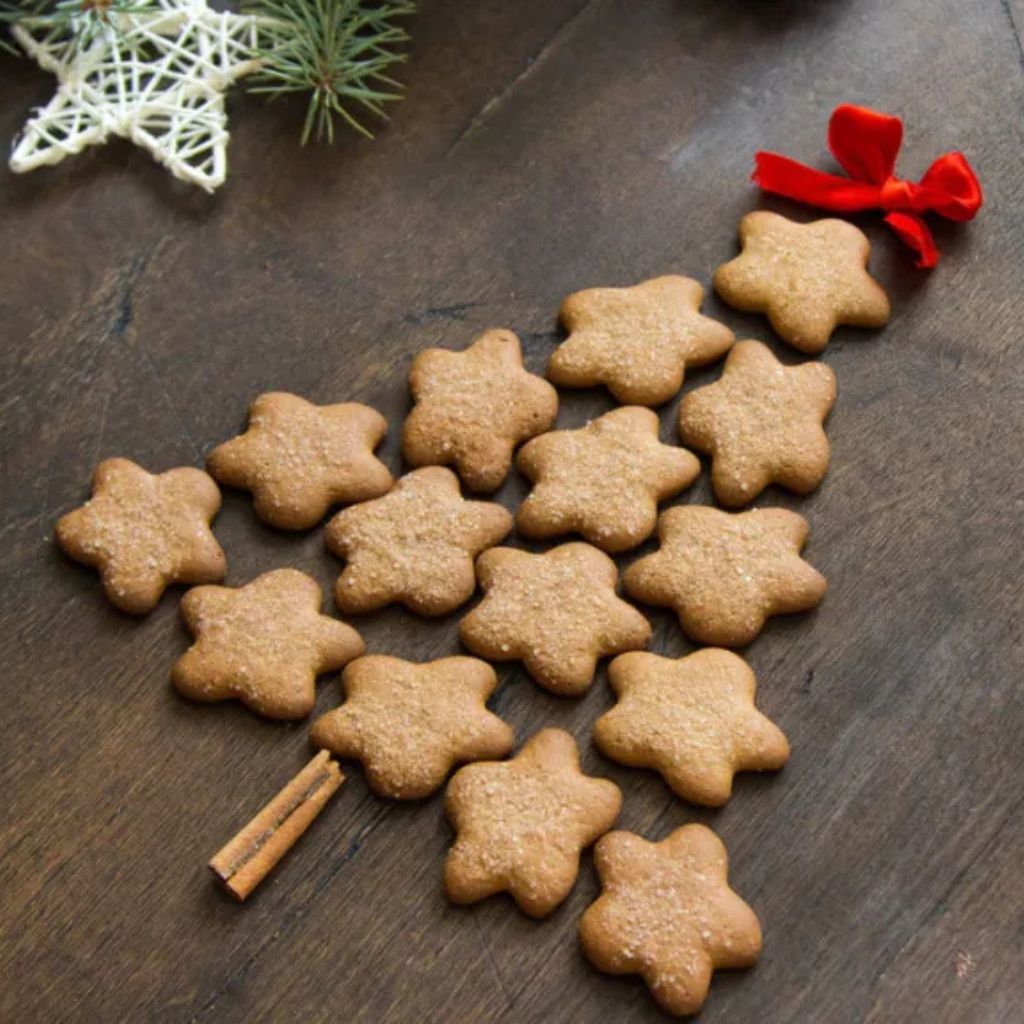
{"x":82,"y":19}
{"x":337,"y":51}
{"x":12,"y":11}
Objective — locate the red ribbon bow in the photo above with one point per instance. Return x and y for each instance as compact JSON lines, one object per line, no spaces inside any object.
{"x":865,"y":143}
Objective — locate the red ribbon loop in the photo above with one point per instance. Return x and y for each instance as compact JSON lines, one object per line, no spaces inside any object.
{"x":866,"y":144}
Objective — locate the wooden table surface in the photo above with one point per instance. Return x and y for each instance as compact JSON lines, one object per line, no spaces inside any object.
{"x":545,"y":146}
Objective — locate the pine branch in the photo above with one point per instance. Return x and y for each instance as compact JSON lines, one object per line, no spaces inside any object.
{"x":12,"y":11}
{"x":337,"y":51}
{"x":81,"y":19}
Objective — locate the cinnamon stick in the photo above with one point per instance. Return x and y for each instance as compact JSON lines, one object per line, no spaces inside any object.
{"x":247,"y":859}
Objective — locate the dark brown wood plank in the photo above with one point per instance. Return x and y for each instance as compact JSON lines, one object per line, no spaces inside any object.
{"x":543,"y":147}
{"x":967,"y":953}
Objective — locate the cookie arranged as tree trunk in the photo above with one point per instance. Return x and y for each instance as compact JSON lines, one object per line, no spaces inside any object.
{"x":603,"y":481}
{"x":636,"y":341}
{"x":807,"y":278}
{"x":472,"y":408}
{"x":725,"y":573}
{"x":410,"y":724}
{"x":666,"y":912}
{"x":558,"y":612}
{"x":761,"y":422}
{"x":299,"y":459}
{"x":692,"y":719}
{"x":521,"y":824}
{"x":143,"y":531}
{"x":415,"y":545}
{"x":263,"y":644}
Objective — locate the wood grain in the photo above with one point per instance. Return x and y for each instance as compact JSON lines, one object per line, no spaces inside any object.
{"x":545,"y":146}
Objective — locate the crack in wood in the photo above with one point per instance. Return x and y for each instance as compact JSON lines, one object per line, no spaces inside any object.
{"x":509,"y":997}
{"x":532,"y":63}
{"x":1008,"y":11}
{"x":123,"y":320}
{"x":171,"y":404}
{"x":939,"y":906}
{"x":293,"y":918}
{"x":125,"y":312}
{"x":456,"y":311}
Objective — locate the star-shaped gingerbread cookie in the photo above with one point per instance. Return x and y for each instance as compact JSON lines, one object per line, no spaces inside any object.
{"x":410,"y":724}
{"x":473,"y":407}
{"x":264,"y":644}
{"x":558,"y":612}
{"x":725,"y":573}
{"x":603,"y":481}
{"x":415,"y":545}
{"x":807,"y":278}
{"x":636,"y":341}
{"x":692,"y":719}
{"x":666,"y":912}
{"x":143,"y":531}
{"x":761,"y":422}
{"x":299,"y":459}
{"x":521,"y":824}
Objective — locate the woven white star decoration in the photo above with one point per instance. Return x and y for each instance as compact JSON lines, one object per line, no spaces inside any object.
{"x":156,"y":76}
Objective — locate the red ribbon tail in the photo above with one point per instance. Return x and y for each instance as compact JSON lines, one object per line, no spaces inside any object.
{"x":785,"y":177}
{"x":913,"y":232}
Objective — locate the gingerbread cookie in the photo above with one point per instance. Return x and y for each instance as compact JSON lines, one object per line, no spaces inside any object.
{"x":521,"y":824}
{"x":143,"y":531}
{"x":558,"y":612}
{"x":415,"y":545}
{"x":473,"y":407}
{"x":264,"y":644}
{"x":666,"y":912}
{"x":410,"y":724}
{"x":636,"y":341}
{"x":299,"y":459}
{"x":761,"y":423}
{"x":725,"y":573}
{"x":604,"y":481}
{"x":692,"y":719}
{"x":807,"y":278}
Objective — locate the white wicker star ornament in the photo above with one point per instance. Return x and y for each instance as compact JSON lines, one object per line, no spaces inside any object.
{"x":155,"y":76}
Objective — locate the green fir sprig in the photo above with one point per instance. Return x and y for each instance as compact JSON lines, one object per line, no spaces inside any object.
{"x":337,"y":51}
{"x":82,"y":19}
{"x":12,"y":11}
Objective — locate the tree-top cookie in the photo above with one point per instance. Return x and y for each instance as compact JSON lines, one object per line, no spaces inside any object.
{"x":692,"y":719}
{"x":410,"y":724}
{"x":143,"y":531}
{"x":666,"y":912}
{"x":603,"y":481}
{"x":521,"y":824}
{"x":299,"y":459}
{"x":761,"y":422}
{"x":725,"y":573}
{"x":264,"y":644}
{"x":415,"y":545}
{"x":807,"y":278}
{"x":473,"y":407}
{"x":558,"y":612}
{"x":636,"y":341}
